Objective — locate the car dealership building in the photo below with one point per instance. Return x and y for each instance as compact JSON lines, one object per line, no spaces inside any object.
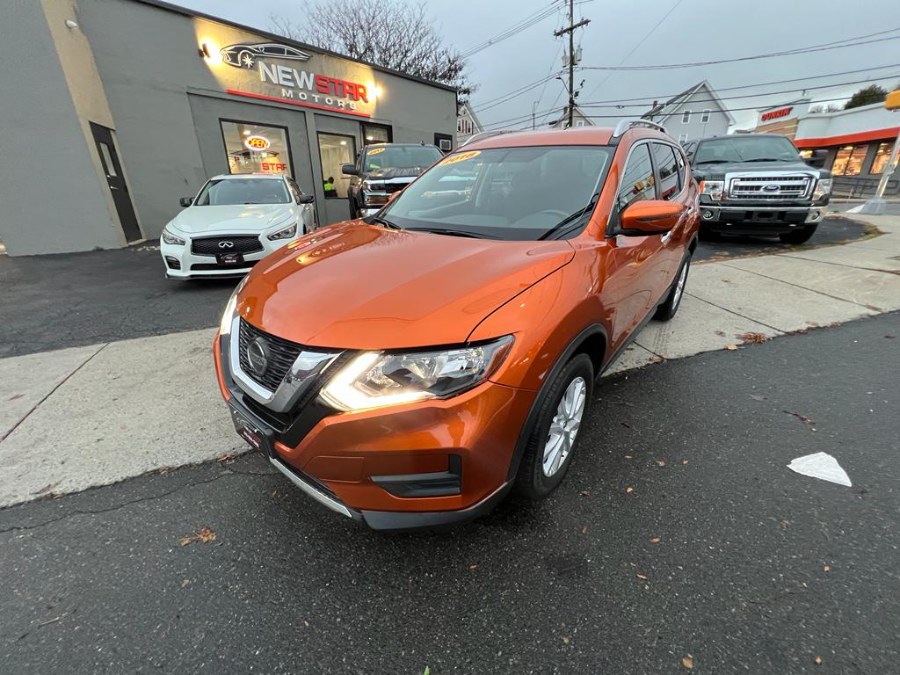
{"x":124,"y":106}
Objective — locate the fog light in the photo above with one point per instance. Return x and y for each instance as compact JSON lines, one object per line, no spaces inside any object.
{"x":707,"y":214}
{"x":173,"y":263}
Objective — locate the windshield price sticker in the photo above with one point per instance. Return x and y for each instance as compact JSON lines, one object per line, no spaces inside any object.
{"x":461,"y":157}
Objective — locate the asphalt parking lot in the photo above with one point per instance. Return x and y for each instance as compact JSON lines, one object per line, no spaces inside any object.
{"x":676,"y":538}
{"x":70,"y":300}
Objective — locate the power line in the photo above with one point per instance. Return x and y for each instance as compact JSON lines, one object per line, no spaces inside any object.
{"x":791,"y":52}
{"x":503,"y":98}
{"x":643,"y":99}
{"x":527,"y":22}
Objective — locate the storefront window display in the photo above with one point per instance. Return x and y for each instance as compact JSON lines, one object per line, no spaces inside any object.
{"x":256,"y":148}
{"x":849,"y":159}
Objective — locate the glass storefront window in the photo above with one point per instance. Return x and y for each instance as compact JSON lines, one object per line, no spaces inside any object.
{"x":256,"y":148}
{"x":335,"y":150}
{"x":376,"y":133}
{"x":882,"y":155}
{"x":849,"y":159}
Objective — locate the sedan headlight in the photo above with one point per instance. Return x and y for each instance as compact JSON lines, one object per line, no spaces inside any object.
{"x":170,"y":238}
{"x":823,"y":188}
{"x":230,"y":309}
{"x":284,"y":233}
{"x":714,"y":188}
{"x":377,"y":379}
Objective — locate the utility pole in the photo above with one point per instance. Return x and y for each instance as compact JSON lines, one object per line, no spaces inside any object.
{"x":570,"y":29}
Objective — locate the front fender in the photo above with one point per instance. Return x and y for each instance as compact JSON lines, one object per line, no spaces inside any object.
{"x":545,"y":320}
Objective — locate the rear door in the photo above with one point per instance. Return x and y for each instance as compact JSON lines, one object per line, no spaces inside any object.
{"x":669,"y":166}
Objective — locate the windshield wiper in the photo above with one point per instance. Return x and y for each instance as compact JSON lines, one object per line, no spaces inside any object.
{"x":452,"y":233}
{"x":714,"y":161}
{"x":383,"y":221}
{"x":767,"y":159}
{"x":571,"y":220}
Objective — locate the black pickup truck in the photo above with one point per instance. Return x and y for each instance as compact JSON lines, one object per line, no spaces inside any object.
{"x":758,"y":184}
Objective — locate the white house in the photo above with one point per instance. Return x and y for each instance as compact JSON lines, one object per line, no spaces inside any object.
{"x":694,"y":113}
{"x":467,"y":124}
{"x":579,"y":119}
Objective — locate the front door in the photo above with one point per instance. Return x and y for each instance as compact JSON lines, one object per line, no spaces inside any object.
{"x":109,"y":159}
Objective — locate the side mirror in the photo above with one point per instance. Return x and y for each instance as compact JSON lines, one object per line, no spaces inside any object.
{"x":653,"y":216}
{"x":349,"y":170}
{"x":186,"y":201}
{"x":306,"y":199}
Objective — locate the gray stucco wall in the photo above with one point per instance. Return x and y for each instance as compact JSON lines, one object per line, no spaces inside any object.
{"x":161,"y":96}
{"x":52,"y":198}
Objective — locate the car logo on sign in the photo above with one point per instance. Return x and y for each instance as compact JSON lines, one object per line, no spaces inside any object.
{"x":258,"y":356}
{"x":226,"y":244}
{"x":772,"y":187}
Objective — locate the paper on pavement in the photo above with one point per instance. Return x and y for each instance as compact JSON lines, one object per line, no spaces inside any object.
{"x":821,"y":465}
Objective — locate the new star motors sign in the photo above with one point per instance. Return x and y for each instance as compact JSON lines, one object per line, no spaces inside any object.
{"x":282,"y":76}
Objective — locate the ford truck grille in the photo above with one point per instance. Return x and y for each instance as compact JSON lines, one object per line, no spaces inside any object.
{"x":770,"y":188}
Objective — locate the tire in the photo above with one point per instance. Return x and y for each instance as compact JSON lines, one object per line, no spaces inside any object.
{"x":799,"y":236}
{"x":708,"y":234}
{"x":576,"y":379}
{"x":670,"y":306}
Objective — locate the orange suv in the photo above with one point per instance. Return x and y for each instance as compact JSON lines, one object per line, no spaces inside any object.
{"x":408,"y":369}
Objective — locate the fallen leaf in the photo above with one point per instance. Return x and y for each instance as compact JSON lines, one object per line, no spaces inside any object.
{"x":803,"y":418}
{"x":427,"y":671}
{"x":818,"y":660}
{"x":826,"y":568}
{"x":629,"y":456}
{"x":226,"y":458}
{"x":566,"y":639}
{"x":642,"y":577}
{"x":306,"y":623}
{"x":720,"y":333}
{"x":687,"y":661}
{"x":473,"y":566}
{"x":731,"y":348}
{"x":684,"y":461}
{"x":14,"y":397}
{"x":185,"y":583}
{"x":752,"y":338}
{"x":585,"y":493}
{"x":626,"y":425}
{"x":629,"y":489}
{"x":655,"y":540}
{"x":660,"y":462}
{"x":584,"y":530}
{"x":204,"y":535}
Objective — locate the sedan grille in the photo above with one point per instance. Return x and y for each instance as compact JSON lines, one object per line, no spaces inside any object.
{"x":215,"y":245}
{"x":281,"y":355}
{"x":770,"y":188}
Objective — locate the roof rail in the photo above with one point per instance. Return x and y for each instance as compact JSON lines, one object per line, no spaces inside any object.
{"x":481,"y":135}
{"x":625,"y":125}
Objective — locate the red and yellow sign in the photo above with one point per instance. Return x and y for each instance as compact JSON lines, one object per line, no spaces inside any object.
{"x":257,"y":143}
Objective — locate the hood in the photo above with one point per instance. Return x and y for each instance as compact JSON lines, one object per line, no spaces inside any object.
{"x":237,"y":219}
{"x":708,"y":170}
{"x":389,"y":173}
{"x":358,"y":286}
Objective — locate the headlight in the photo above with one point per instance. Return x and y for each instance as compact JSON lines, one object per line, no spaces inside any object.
{"x":714,"y":188}
{"x":230,"y":309}
{"x":170,"y":238}
{"x":285,"y":233}
{"x":823,"y":188}
{"x":377,"y":379}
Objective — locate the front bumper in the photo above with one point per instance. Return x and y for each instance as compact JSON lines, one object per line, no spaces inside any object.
{"x":181,"y":263}
{"x":759,"y":218}
{"x":427,"y":464}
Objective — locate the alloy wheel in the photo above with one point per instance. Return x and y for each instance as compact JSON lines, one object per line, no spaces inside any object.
{"x":564,"y":426}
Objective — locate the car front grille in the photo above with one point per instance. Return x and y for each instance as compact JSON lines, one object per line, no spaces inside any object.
{"x":214,"y":245}
{"x":282,"y":354}
{"x":769,"y":188}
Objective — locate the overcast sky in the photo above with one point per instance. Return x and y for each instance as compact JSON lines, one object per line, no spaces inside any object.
{"x":633,"y":33}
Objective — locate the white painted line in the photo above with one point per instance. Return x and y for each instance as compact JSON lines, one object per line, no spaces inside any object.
{"x":820,"y":465}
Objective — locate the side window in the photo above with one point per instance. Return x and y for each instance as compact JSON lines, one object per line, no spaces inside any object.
{"x":667,"y":170}
{"x":295,"y":189}
{"x":686,"y":117}
{"x":637,"y":179}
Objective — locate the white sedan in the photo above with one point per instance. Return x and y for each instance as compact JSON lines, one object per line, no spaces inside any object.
{"x":234,"y":221}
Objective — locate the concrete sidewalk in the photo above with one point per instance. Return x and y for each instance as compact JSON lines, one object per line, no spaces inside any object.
{"x":76,"y":418}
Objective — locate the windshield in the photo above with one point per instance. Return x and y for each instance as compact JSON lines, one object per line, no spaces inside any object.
{"x":229,"y":191}
{"x":745,"y":149}
{"x":505,"y":193}
{"x":401,"y":157}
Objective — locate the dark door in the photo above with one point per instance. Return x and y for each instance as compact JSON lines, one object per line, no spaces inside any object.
{"x":116,"y":181}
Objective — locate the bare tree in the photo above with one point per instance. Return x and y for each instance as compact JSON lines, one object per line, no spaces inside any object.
{"x":389,"y":33}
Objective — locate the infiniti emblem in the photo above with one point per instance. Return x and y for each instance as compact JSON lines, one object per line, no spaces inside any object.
{"x":258,"y":356}
{"x":772,"y":187}
{"x":226,"y":244}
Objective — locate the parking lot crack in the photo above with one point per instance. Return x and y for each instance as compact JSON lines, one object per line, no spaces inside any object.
{"x":731,"y":311}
